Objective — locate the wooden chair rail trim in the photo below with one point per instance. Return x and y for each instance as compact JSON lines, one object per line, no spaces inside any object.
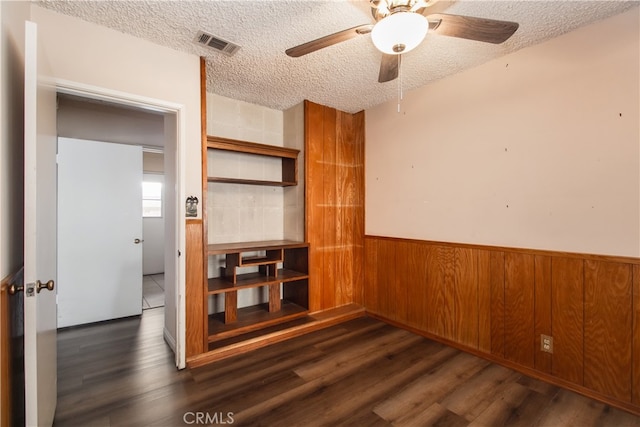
{"x":541,"y":252}
{"x":626,"y":406}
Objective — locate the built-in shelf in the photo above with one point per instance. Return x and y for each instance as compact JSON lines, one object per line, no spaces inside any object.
{"x":263,"y":245}
{"x":283,"y":270}
{"x":287,"y":156}
{"x":253,"y":318}
{"x":251,"y":181}
{"x":218,"y":285}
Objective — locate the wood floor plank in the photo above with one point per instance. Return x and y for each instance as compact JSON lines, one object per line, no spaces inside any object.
{"x":338,"y":399}
{"x":472,"y":397}
{"x":317,"y":385}
{"x":502,"y":405}
{"x":435,"y":415}
{"x":365,"y":349}
{"x":570,"y":409}
{"x":527,"y":413}
{"x":428,"y":389}
{"x":359,"y":373}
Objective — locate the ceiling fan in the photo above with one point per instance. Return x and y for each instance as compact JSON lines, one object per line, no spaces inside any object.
{"x":401,"y":25}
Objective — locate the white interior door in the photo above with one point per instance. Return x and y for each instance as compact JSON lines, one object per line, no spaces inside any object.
{"x":39,"y":235}
{"x":99,"y":231}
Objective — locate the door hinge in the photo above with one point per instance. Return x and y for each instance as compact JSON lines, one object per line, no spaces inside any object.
{"x":179,"y":253}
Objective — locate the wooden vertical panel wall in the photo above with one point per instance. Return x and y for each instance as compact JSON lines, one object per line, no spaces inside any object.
{"x":607,"y":328}
{"x":484,"y":301}
{"x":400,"y":271}
{"x":205,"y":220}
{"x":196,"y":248}
{"x":635,"y":377}
{"x":372,"y":297}
{"x":386,"y":279}
{"x":194,"y":292}
{"x":496,"y":277}
{"x":314,"y":188}
{"x":496,"y":302}
{"x":328,"y":204}
{"x":416,"y":280}
{"x":334,"y":144}
{"x":518,"y":307}
{"x":441,"y":288}
{"x":542,"y":314}
{"x":567,"y":318}
{"x":466,"y":297}
{"x":356,"y":198}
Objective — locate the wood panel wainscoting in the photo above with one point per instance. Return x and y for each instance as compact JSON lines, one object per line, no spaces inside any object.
{"x":496,"y":302}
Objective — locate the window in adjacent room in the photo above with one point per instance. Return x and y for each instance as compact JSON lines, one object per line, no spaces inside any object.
{"x":151,"y":199}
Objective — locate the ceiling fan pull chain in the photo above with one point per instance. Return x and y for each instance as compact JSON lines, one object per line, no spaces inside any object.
{"x":399,"y":82}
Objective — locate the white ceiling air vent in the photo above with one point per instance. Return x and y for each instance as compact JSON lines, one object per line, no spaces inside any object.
{"x":216,"y":43}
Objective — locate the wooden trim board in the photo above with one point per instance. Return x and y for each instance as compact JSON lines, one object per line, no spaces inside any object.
{"x":317,"y":321}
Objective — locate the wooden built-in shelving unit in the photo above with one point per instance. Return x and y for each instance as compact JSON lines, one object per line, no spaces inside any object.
{"x":282,"y":265}
{"x":293,"y":276}
{"x":293,"y":298}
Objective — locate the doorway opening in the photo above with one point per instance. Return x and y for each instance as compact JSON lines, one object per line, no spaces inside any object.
{"x":88,"y":115}
{"x":153,"y":225}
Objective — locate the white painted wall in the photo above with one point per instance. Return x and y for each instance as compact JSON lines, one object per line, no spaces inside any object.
{"x":153,"y":162}
{"x":153,"y":233}
{"x":244,"y":213}
{"x":110,"y":123}
{"x":538,"y":149}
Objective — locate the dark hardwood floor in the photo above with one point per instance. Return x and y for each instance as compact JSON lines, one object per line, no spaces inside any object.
{"x":360,"y":373}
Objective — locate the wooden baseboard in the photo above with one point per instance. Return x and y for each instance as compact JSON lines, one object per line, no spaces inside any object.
{"x":316,"y":321}
{"x":626,"y":406}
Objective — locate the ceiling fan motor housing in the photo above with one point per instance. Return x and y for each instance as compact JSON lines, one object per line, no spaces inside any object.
{"x":380,"y":9}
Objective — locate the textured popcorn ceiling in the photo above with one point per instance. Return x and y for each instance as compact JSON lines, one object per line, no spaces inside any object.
{"x":343,"y":76}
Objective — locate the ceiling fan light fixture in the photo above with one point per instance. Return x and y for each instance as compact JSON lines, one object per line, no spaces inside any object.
{"x":399,"y":32}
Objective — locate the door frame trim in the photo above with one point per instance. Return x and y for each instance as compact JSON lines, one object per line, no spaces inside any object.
{"x":179,"y":110}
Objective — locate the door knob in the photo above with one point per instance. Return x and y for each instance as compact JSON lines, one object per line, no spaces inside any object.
{"x":40,"y":286}
{"x":138,"y":241}
{"x":14,"y":289}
